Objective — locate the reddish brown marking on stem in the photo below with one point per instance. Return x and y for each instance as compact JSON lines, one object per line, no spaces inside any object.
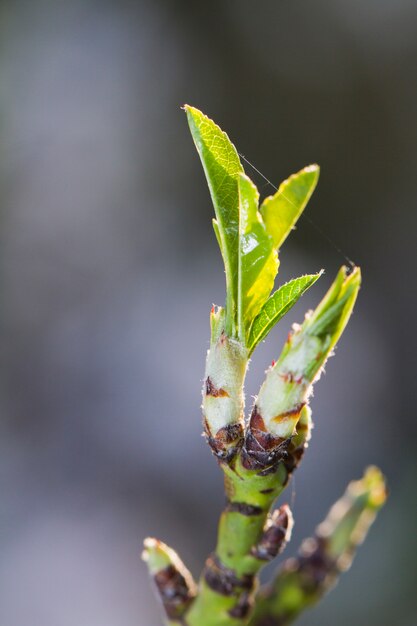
{"x":212,"y":390}
{"x":243,"y":509}
{"x":266,"y":491}
{"x":293,"y":412}
{"x":224,"y":580}
{"x":289,"y":377}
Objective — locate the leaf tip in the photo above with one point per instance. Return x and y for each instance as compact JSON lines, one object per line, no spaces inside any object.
{"x":332,"y":314}
{"x":313,"y":167}
{"x":187,"y":108}
{"x":155,"y":554}
{"x":376,"y":485}
{"x":194,"y":115}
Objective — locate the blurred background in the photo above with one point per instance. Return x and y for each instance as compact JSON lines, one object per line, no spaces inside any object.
{"x":109,"y":267}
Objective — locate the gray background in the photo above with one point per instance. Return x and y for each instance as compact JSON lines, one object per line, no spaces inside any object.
{"x":109,"y":267}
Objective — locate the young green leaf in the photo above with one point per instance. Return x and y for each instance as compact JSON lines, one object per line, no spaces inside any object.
{"x":331,"y":316}
{"x":248,"y":237}
{"x":277,"y":306}
{"x":258,"y":259}
{"x":281,"y":211}
{"x":222,"y":168}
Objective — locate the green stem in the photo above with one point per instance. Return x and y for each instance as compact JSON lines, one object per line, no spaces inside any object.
{"x":248,"y":537}
{"x":229,"y":578}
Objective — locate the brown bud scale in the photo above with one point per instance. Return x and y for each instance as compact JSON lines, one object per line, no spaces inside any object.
{"x":227,"y":442}
{"x":261,"y":450}
{"x":317,"y":569}
{"x":275,"y":535}
{"x":174,"y":591}
{"x":243,"y":606}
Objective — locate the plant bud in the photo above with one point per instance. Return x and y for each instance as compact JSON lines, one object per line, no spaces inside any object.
{"x":299,"y":443}
{"x":223,"y":399}
{"x":288,"y":382}
{"x":277,"y":533}
{"x":173,"y":581}
{"x":303,"y":580}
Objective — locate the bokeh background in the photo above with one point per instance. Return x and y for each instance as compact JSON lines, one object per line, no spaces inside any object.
{"x":109,"y":267}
